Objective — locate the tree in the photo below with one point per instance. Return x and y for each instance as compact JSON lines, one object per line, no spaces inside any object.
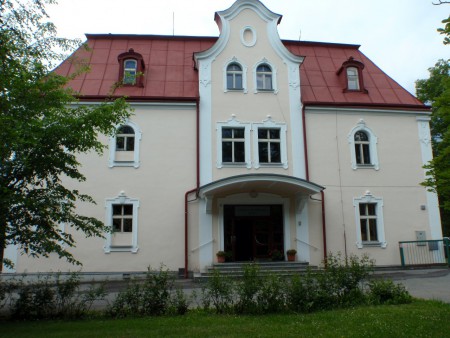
{"x":436,"y":91}
{"x":41,"y":134}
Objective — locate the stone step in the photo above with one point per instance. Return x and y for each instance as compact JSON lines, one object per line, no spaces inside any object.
{"x":236,"y":269}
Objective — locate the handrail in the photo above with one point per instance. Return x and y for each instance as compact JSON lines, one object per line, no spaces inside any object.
{"x":202,"y":245}
{"x":312,"y":246}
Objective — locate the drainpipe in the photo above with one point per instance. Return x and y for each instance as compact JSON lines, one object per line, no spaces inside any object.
{"x":186,"y":195}
{"x":305,"y":145}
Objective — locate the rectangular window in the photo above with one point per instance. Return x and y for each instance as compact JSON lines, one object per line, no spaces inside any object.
{"x":368,"y":222}
{"x":233,"y":145}
{"x":122,"y":217}
{"x":269,"y":146}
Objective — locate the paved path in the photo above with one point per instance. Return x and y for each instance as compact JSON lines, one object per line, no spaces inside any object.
{"x":425,"y":283}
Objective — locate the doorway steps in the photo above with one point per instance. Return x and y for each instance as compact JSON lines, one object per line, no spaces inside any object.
{"x":236,"y":269}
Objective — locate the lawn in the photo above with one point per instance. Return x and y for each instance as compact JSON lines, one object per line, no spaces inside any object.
{"x":419,"y":319}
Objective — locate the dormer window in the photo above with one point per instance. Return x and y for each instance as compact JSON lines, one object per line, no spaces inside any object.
{"x":130,"y":72}
{"x":353,"y":71}
{"x":132,"y":68}
{"x":352,"y":78}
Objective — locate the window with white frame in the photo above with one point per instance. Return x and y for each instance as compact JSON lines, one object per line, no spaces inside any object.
{"x":129,"y":71}
{"x":265,"y":77}
{"x":352,"y":78}
{"x":363,"y":147}
{"x":369,"y":221}
{"x":234,"y":77}
{"x":269,"y":145}
{"x":233,"y":143}
{"x":125,"y":139}
{"x":124,"y":146}
{"x":122,"y":219}
{"x":269,"y":140}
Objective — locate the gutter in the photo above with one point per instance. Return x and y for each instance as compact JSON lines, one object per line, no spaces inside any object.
{"x":189,"y":192}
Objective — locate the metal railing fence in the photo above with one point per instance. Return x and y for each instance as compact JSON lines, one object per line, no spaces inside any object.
{"x":429,"y":252}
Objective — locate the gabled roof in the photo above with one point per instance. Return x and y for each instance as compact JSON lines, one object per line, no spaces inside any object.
{"x":170,"y":74}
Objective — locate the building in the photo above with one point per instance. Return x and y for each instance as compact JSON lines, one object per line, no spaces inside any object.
{"x":248,"y":144}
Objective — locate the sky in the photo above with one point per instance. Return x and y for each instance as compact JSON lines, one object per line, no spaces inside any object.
{"x":399,"y":36}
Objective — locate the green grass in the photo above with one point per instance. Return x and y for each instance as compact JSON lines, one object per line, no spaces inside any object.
{"x":419,"y":319}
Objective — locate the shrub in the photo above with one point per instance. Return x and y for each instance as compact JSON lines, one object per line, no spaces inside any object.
{"x":52,"y":296}
{"x":247,"y":289}
{"x":149,"y":297}
{"x":271,"y":298}
{"x":218,"y":293}
{"x":387,"y":292}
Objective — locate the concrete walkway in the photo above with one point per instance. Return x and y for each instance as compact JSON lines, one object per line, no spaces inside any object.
{"x":431,"y":284}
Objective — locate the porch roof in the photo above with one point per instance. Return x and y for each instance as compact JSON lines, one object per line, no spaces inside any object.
{"x":281,"y":185}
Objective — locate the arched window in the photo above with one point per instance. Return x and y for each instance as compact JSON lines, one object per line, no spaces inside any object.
{"x":234,"y":77}
{"x":353,"y":71}
{"x":264,"y":77}
{"x":352,"y":78}
{"x":362,"y":148}
{"x":125,"y":139}
{"x":124,"y":146}
{"x":129,"y":72}
{"x":131,"y":68}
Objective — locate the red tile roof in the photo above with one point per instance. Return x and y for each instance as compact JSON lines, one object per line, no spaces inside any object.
{"x":170,"y":74}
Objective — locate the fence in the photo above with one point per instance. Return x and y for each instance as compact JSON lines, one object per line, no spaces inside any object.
{"x":429,"y":252}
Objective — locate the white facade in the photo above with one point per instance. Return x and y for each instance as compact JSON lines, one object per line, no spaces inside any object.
{"x":266,"y":161}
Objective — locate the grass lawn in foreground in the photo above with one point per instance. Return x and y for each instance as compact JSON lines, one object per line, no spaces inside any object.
{"x":419,"y":319}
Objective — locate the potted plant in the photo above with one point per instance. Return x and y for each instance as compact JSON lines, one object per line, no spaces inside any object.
{"x":276,"y":255}
{"x":221,"y":256}
{"x":291,"y":254}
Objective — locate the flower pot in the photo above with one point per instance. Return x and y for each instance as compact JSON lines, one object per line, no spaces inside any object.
{"x":291,"y":258}
{"x":220,"y":259}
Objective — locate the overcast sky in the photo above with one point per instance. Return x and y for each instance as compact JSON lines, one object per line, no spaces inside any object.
{"x":398,"y":35}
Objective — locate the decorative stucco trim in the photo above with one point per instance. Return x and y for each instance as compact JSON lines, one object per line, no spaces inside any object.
{"x":373,"y":140}
{"x":252,"y":42}
{"x":269,"y":123}
{"x":274,"y":77}
{"x":233,"y":122}
{"x":136,"y":153}
{"x":369,"y":198}
{"x":434,"y":218}
{"x":234,"y":59}
{"x":121,"y":199}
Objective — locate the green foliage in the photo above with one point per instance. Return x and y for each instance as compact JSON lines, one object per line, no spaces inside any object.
{"x":387,"y":292}
{"x":151,"y":297}
{"x":271,"y":297}
{"x":218,"y":293}
{"x":247,"y":290}
{"x":445,"y":30}
{"x":43,"y":129}
{"x":51,"y":296}
{"x":436,"y":91}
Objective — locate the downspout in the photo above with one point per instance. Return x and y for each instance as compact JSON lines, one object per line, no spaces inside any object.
{"x":186,"y":195}
{"x":305,"y":145}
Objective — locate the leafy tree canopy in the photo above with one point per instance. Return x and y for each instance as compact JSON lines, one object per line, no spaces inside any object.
{"x":436,"y":91}
{"x":42,"y":129}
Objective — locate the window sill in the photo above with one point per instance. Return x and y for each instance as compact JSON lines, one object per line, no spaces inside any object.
{"x":232,"y":165}
{"x":365,"y":166}
{"x":371,"y":244}
{"x":265,"y":90}
{"x":124,"y":164}
{"x":124,"y":248}
{"x":235,"y":89}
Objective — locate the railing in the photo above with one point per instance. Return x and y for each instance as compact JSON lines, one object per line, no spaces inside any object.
{"x":429,"y":252}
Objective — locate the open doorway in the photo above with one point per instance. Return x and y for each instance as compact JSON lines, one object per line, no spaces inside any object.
{"x":253,"y":232}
